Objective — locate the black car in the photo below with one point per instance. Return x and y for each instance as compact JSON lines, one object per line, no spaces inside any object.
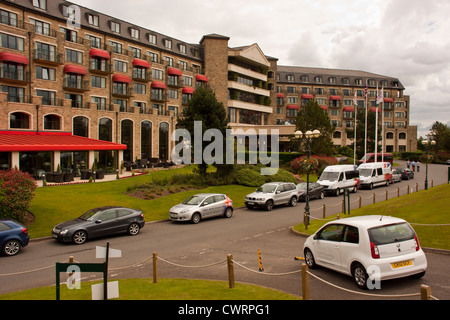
{"x":406,"y":173}
{"x":100,"y":222}
{"x":13,"y":237}
{"x":315,"y":191}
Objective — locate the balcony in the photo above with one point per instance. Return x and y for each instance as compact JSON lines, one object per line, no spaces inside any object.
{"x":122,"y":92}
{"x":50,"y":58}
{"x":142,"y":76}
{"x":99,"y":66}
{"x":14,"y":76}
{"x":76,"y":85}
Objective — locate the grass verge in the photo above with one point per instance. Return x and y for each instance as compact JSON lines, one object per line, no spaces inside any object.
{"x":421,"y":209}
{"x":165,"y":289}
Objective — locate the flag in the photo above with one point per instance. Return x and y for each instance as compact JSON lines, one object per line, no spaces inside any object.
{"x":380,"y":96}
{"x":365,"y":91}
{"x":355,"y":101}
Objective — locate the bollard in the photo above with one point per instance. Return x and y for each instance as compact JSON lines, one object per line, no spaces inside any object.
{"x":407,"y":190}
{"x":305,"y":282}
{"x":360,"y":202}
{"x":398,"y":192}
{"x":431,"y":183}
{"x":230,"y":271}
{"x":387,"y":195}
{"x":425,"y":292}
{"x":324,"y":214}
{"x":260,"y":261}
{"x":155,"y":267}
{"x":417,"y":186}
{"x":374,"y":198}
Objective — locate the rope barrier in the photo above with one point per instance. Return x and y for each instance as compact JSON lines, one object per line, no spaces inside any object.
{"x":267,"y":273}
{"x":184,"y":266}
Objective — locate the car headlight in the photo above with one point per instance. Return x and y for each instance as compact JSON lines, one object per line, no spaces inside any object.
{"x":64,"y":232}
{"x":184,"y":211}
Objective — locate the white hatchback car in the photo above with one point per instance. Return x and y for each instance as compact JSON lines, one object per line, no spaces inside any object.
{"x":387,"y":247}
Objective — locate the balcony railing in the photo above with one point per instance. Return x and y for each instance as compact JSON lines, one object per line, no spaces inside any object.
{"x":15,"y":75}
{"x":51,"y":57}
{"x":79,"y":84}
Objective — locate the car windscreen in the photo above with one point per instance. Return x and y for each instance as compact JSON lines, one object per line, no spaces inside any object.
{"x":331,"y":176}
{"x":365,"y":172}
{"x":391,"y":233}
{"x":194,"y":200}
{"x":90,"y":214}
{"x":267,"y":188}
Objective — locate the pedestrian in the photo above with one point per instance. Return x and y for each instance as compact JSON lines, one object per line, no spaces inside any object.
{"x":418,"y":166}
{"x":413,"y":165}
{"x":408,"y":164}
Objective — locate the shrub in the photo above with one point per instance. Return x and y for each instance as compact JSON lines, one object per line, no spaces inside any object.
{"x":249,"y":177}
{"x":281,"y":176}
{"x":16,"y":192}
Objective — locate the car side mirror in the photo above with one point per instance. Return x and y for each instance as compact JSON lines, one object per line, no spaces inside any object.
{"x":278,"y":192}
{"x":98,"y":221}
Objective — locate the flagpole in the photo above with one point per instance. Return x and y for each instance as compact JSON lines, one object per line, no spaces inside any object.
{"x":376,"y":129}
{"x":382,"y":125}
{"x":365,"y":128}
{"x":354,"y":133}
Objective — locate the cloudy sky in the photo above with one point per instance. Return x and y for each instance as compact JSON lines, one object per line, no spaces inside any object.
{"x":407,"y":39}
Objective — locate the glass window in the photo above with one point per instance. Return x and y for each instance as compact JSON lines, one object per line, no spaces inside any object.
{"x":105,"y":129}
{"x":19,"y":120}
{"x":332,"y":232}
{"x":41,"y":4}
{"x":163,"y":140}
{"x":127,"y":139}
{"x":81,"y":126}
{"x":351,"y":235}
{"x":146,"y":140}
{"x":11,"y":42}
{"x":52,"y":122}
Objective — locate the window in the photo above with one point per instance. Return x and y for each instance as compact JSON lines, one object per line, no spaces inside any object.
{"x":402,"y":136}
{"x":182,"y":48}
{"x":168,"y":60}
{"x":318,"y":79}
{"x":168,"y":44}
{"x":115,"y":27}
{"x":19,"y":120}
{"x":332,"y":80}
{"x":154,"y":57}
{"x":52,"y":122}
{"x":157,"y":74}
{"x":174,"y":109}
{"x":183,"y":65}
{"x":304,"y":78}
{"x":163,"y":140}
{"x":173,"y":94}
{"x":11,"y":42}
{"x":48,"y":97}
{"x":98,"y":82}
{"x":139,"y":88}
{"x":117,"y":47}
{"x":290,"y":78}
{"x":126,"y":129}
{"x":81,"y":126}
{"x":96,"y":42}
{"x":351,"y":235}
{"x":332,"y":232}
{"x":152,"y":38}
{"x":41,"y":4}
{"x":319,"y":90}
{"x":45,"y":73}
{"x":134,"y":33}
{"x":136,"y":52}
{"x":93,"y":20}
{"x":8,"y":18}
{"x":105,"y":129}
{"x":41,"y":27}
{"x":74,"y":56}
{"x":101,"y":105}
{"x":15,"y":94}
{"x":69,"y":35}
{"x":337,"y":135}
{"x":121,"y":66}
{"x":389,"y":135}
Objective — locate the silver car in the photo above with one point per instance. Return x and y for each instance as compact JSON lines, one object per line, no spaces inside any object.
{"x":201,"y":206}
{"x":396,"y":176}
{"x":271,"y":194}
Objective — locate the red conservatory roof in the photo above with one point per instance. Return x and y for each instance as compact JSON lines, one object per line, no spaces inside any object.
{"x":30,"y":141}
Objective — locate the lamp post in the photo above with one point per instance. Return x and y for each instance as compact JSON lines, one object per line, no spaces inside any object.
{"x":427,"y":144}
{"x":308,"y":135}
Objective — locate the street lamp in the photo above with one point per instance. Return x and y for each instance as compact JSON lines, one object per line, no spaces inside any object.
{"x":309,"y":135}
{"x":427,"y":143}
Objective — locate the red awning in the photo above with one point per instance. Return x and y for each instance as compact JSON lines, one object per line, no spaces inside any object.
{"x":158,"y":85}
{"x":75,"y":69}
{"x":32,"y":141}
{"x":324,"y":107}
{"x":188,"y":90}
{"x":293,"y":107}
{"x":201,"y":77}
{"x":280,"y":95}
{"x":374,"y":110}
{"x":388,"y":100}
{"x":335,"y":98}
{"x":121,"y":78}
{"x":307,"y":96}
{"x":141,"y":63}
{"x":99,"y":54}
{"x":349,"y":109}
{"x":174,"y":72}
{"x":13,"y":57}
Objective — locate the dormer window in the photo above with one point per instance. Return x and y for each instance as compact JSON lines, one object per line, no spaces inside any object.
{"x":93,"y":20}
{"x":182,"y":48}
{"x":115,"y":27}
{"x":41,"y":4}
{"x":290,"y":78}
{"x":168,"y":44}
{"x":134,"y":33}
{"x":152,"y":38}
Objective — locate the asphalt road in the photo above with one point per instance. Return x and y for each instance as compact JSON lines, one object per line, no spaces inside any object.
{"x":200,"y":251}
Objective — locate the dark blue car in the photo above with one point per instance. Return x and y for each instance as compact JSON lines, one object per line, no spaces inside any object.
{"x":13,"y":236}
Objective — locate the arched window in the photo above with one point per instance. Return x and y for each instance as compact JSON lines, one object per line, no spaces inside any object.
{"x":52,"y":122}
{"x":105,"y":129}
{"x":19,"y":120}
{"x":390,"y":135}
{"x":146,"y":140}
{"x":163,"y":140}
{"x":126,"y":129}
{"x":402,"y":135}
{"x":81,"y":126}
{"x":337,"y":135}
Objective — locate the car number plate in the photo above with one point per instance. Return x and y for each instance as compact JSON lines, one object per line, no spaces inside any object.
{"x":401,"y":264}
{"x":250,"y":202}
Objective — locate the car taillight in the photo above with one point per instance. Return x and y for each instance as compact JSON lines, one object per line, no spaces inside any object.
{"x":374,"y":251}
{"x":142,"y":215}
{"x":417,"y":243}
{"x":24,"y":230}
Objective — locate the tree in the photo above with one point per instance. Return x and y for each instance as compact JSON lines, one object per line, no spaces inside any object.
{"x":16,"y":192}
{"x":440,"y":133}
{"x":360,"y":132}
{"x":204,"y":107}
{"x":313,"y":117}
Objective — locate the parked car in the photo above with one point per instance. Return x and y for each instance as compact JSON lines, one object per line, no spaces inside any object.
{"x":396,"y":176}
{"x":336,"y":178}
{"x":271,"y":194}
{"x":351,"y":246}
{"x":13,"y":237}
{"x":201,"y":206}
{"x":375,"y":174}
{"x":315,"y":191}
{"x":406,"y":173}
{"x":100,"y":222}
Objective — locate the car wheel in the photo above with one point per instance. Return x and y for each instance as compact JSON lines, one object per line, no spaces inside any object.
{"x":338,"y":192}
{"x":228,"y":213}
{"x":196,"y":218}
{"x":134,"y":229}
{"x":11,"y":248}
{"x":309,"y":259}
{"x":371,"y":186}
{"x":249,"y":206}
{"x":269,"y":205}
{"x":79,"y":237}
{"x":360,"y":276}
{"x":293,"y":202}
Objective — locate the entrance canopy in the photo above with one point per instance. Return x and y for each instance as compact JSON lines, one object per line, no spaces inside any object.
{"x":32,"y":141}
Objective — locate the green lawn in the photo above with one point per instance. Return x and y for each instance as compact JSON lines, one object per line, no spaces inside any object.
{"x":165,"y":289}
{"x":423,"y":207}
{"x":54,"y":204}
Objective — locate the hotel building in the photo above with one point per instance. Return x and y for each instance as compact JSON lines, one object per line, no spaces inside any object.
{"x":97,"y":89}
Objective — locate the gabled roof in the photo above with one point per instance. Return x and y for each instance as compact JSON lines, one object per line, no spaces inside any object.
{"x":251,"y":52}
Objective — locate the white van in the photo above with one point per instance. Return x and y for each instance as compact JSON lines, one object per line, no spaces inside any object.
{"x":339,"y":177}
{"x":375,"y":174}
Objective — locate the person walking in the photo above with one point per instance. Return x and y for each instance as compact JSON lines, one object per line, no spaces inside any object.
{"x":418,"y":166}
{"x":408,"y":164}
{"x":413,"y":165}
